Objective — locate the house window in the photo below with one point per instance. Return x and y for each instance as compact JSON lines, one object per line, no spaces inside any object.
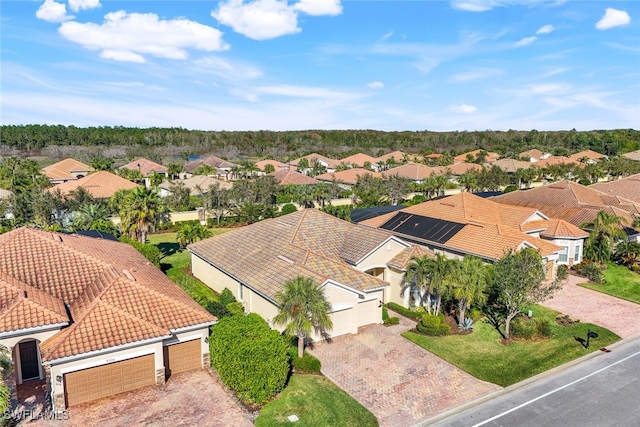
{"x":576,"y":256}
{"x":563,"y":254}
{"x":240,"y":293}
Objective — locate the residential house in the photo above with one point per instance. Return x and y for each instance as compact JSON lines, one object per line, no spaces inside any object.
{"x":222,"y":167}
{"x":458,"y":169}
{"x":587,"y":156}
{"x":510,"y":166}
{"x":347,"y":178}
{"x":416,"y":172}
{"x":276,"y":165}
{"x":354,"y":265}
{"x":326,"y":162}
{"x":465,"y":224}
{"x":360,"y":160}
{"x":556,"y":160}
{"x":490,"y":157}
{"x":101,"y":185}
{"x":627,"y":188}
{"x":397,"y":156}
{"x":534,"y":155}
{"x":198,"y":185}
{"x":91,"y":317}
{"x":291,"y":177}
{"x":146,"y":167}
{"x":66,"y":170}
{"x":634,"y":155}
{"x":574,"y":203}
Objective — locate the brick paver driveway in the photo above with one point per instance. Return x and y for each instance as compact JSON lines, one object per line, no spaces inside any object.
{"x":399,"y":382}
{"x":192,"y":398}
{"x":613,"y":313}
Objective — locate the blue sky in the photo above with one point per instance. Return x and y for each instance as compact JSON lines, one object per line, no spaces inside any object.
{"x":322,"y":64}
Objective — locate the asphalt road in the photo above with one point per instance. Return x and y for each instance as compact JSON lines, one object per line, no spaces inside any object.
{"x":600,"y":391}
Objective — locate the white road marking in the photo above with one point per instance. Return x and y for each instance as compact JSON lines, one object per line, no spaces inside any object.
{"x":554,"y":391}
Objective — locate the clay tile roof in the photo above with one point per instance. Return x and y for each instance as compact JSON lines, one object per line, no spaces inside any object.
{"x":403,"y":259}
{"x":213,"y":161}
{"x":634,"y":155}
{"x":100,"y":185}
{"x":145,"y":166}
{"x":291,"y":177}
{"x":628,"y":188}
{"x":462,"y":168}
{"x":359,"y":160}
{"x":308,"y":243}
{"x":556,"y":160}
{"x":348,"y":176}
{"x":511,"y":165}
{"x":398,"y":156}
{"x":414,"y":171}
{"x":535,"y":153}
{"x":311,"y":158}
{"x":276,"y":164}
{"x":63,"y":169}
{"x":198,"y":181}
{"x":561,"y":228}
{"x":590,"y":154}
{"x":115,"y":296}
{"x":460,"y":158}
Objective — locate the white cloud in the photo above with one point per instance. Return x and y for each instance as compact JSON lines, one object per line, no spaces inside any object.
{"x":306,"y":92}
{"x":52,"y":11}
{"x":474,"y":5}
{"x":128,"y":37}
{"x":258,"y":20}
{"x":526,"y":41}
{"x":319,"y":7}
{"x":475,"y":74}
{"x":375,"y":85}
{"x":225,"y":69}
{"x":77,"y":5}
{"x":463,"y":108}
{"x":613,"y":18}
{"x":546,"y":29}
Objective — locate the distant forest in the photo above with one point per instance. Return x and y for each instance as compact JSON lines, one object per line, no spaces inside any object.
{"x":262,"y":144}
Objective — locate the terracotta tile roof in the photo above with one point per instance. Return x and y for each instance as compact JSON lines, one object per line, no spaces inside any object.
{"x":291,"y":177}
{"x":359,"y":160}
{"x":115,"y":296}
{"x":63,"y":169}
{"x":510,"y":165}
{"x":403,"y":259}
{"x":311,"y":158}
{"x":535,"y":153}
{"x":628,"y":188}
{"x":488,"y":228}
{"x":634,"y":155}
{"x":100,"y":185}
{"x":276,"y":164}
{"x":590,"y":154}
{"x":145,"y":166}
{"x":398,"y":156}
{"x":561,"y":228}
{"x":415,"y":171}
{"x":461,"y":158}
{"x":556,"y":160}
{"x":267,"y":254}
{"x":571,"y":202}
{"x":213,"y":161}
{"x":349,"y":176}
{"x":198,"y":181}
{"x":462,"y":168}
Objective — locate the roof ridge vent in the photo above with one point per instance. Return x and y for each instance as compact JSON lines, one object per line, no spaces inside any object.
{"x":128,"y":274}
{"x":285,"y":259}
{"x":448,"y":204}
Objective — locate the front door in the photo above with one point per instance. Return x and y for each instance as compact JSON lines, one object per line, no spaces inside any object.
{"x":29,"y":365}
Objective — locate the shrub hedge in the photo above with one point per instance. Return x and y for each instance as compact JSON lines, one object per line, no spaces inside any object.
{"x":250,"y":357}
{"x":433,"y":325}
{"x":150,"y":252}
{"x":306,"y":363}
{"x":404,"y":311}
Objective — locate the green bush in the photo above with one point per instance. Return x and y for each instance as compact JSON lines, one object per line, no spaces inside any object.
{"x":235,"y":308}
{"x":385,"y":313}
{"x":475,"y":314}
{"x":523,"y":328}
{"x":404,"y":311}
{"x":226,"y":297}
{"x":306,"y":363}
{"x":510,"y":188}
{"x":250,"y":357}
{"x":288,"y":208}
{"x":217,"y":309}
{"x":543,"y":328}
{"x":150,"y":252}
{"x":590,"y":270}
{"x":563,"y":272}
{"x":433,"y":325}
{"x":391,"y":321}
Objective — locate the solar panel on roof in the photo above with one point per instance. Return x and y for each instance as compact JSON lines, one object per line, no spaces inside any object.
{"x":422,"y":227}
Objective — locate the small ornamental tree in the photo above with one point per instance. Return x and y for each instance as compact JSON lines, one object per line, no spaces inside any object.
{"x":250,"y":357}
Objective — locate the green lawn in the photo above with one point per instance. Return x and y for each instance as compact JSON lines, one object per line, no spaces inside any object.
{"x":483,"y":355}
{"x":619,"y":282}
{"x":176,"y":260}
{"x":317,"y":402}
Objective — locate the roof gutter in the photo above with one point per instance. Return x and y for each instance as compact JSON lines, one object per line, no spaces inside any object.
{"x":193,"y":327}
{"x":27,"y":331}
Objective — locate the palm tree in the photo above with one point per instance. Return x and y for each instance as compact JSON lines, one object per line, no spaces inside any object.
{"x":303,"y":306}
{"x":440,"y":266}
{"x":140,"y":211}
{"x":607,"y":231}
{"x":89,"y":215}
{"x":468,"y":282}
{"x":427,"y":276}
{"x":190,"y":233}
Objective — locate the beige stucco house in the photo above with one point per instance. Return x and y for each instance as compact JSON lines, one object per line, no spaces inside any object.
{"x":359,"y":268}
{"x":92,"y":317}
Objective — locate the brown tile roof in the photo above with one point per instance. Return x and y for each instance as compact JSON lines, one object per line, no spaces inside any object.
{"x":267,"y":254}
{"x":398,"y":156}
{"x":403,"y":259}
{"x":556,"y":228}
{"x":556,"y":160}
{"x":291,"y":177}
{"x":634,"y":155}
{"x":213,"y":161}
{"x":489,"y":229}
{"x":145,"y":166}
{"x":276,"y":164}
{"x":571,"y":202}
{"x":535,"y":153}
{"x":311,"y":158}
{"x":62,"y":169}
{"x":628,"y":188}
{"x":510,"y":165}
{"x":115,"y":296}
{"x":415,"y":171}
{"x":359,"y":160}
{"x":590,"y":154}
{"x":198,"y":181}
{"x":461,"y":158}
{"x":462,"y":168}
{"x":348,"y":176}
{"x":100,"y":185}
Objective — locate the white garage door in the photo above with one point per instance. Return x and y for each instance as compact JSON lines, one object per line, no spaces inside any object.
{"x":342,"y":322}
{"x":369,"y":312}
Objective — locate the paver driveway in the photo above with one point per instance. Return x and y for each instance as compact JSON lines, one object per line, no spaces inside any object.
{"x":192,"y":398}
{"x":399,"y":382}
{"x":615,"y":314}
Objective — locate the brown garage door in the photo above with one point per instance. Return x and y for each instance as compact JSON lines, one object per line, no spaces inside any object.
{"x":182,"y":357}
{"x":107,"y":380}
